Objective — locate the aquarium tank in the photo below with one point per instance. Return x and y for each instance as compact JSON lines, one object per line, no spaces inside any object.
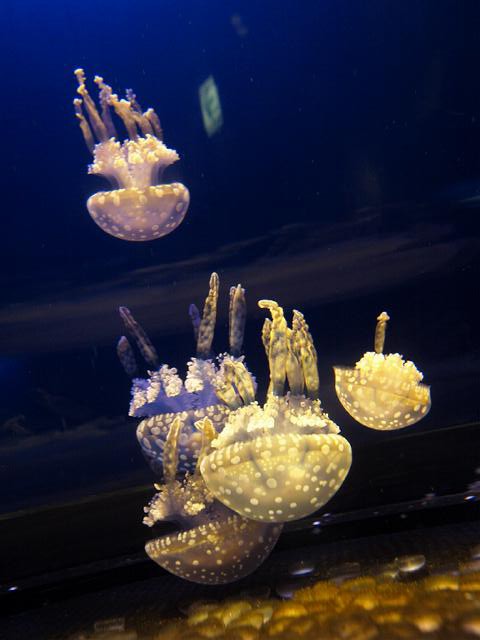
{"x":239,"y":346}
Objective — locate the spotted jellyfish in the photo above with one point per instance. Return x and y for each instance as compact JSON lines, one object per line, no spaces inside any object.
{"x":214,"y":545}
{"x":138,"y":207}
{"x":284,"y":460}
{"x":383,"y":392}
{"x":207,"y":390}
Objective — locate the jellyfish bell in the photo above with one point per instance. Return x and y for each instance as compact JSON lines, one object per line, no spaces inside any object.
{"x":285,"y":460}
{"x":279,"y":462}
{"x":214,"y":545}
{"x":383,"y":392}
{"x":138,"y":208}
{"x":223,"y":548}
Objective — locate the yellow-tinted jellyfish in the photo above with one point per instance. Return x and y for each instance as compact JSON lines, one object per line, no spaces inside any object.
{"x":138,"y":208}
{"x":383,"y":392}
{"x":214,"y":545}
{"x":164,"y":395}
{"x":285,"y":460}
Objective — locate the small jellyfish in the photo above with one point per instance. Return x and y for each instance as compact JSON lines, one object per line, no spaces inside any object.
{"x":138,"y":207}
{"x":285,"y":460}
{"x":214,"y":545}
{"x":383,"y":392}
{"x":207,"y":390}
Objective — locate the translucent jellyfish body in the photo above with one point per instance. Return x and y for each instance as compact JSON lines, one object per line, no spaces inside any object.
{"x":383,"y":392}
{"x":214,"y":545}
{"x":138,"y":207}
{"x":285,"y":460}
{"x":164,"y":396}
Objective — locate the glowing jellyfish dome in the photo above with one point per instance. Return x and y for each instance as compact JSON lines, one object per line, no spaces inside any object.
{"x":285,"y":460}
{"x":138,"y":207}
{"x":213,"y":545}
{"x":383,"y":392}
{"x":206,"y":391}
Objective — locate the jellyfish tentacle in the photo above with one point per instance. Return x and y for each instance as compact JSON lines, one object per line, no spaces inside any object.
{"x":142,"y":122}
{"x":154,"y":120}
{"x":207,"y":324}
{"x":278,"y":350}
{"x":243,"y":382}
{"x":140,"y":336}
{"x":84,"y":125}
{"x":380,"y":331}
{"x":235,"y":385}
{"x":194,"y":314}
{"x":206,"y":428}
{"x":95,"y":121}
{"x":127,"y":357}
{"x":236,"y":319}
{"x":104,"y":95}
{"x":266,"y":335}
{"x":170,"y":452}
{"x":226,"y":389}
{"x":307,"y":353}
{"x":123,"y":109}
{"x":294,"y":367}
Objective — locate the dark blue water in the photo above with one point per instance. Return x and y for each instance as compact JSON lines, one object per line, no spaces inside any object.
{"x":344,"y":181}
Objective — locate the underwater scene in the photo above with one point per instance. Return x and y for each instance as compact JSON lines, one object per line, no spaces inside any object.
{"x":239,"y":353}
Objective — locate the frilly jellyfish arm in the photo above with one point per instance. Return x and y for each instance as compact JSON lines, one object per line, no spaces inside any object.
{"x":137,"y":208}
{"x":266,"y":333}
{"x":209,"y":433}
{"x":84,"y":125}
{"x":204,"y":325}
{"x":176,"y":500}
{"x":291,"y":352}
{"x":206,"y":329}
{"x":196,"y":318}
{"x":105,"y":98}
{"x":236,"y":386}
{"x":277,"y":346}
{"x":236,"y":319}
{"x":127,"y":357}
{"x":294,"y":366}
{"x":140,"y":336}
{"x":243,"y":381}
{"x":94,"y":126}
{"x":380,"y":331}
{"x":170,"y":453}
{"x":305,"y":349}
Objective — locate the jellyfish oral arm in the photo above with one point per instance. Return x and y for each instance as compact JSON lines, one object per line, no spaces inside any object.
{"x":132,"y":164}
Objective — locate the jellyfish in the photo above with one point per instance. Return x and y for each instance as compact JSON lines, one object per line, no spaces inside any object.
{"x":285,"y":460}
{"x":138,"y":207}
{"x":214,"y":545}
{"x":383,"y":392}
{"x":207,"y":391}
